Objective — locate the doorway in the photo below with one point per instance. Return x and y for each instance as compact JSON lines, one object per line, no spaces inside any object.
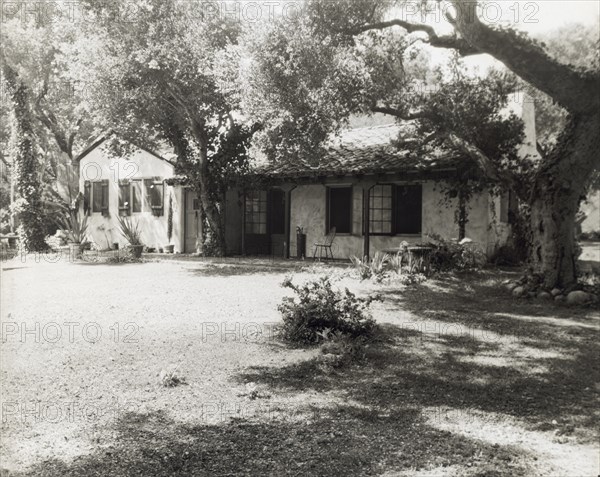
{"x":264,"y":222}
{"x":193,"y":222}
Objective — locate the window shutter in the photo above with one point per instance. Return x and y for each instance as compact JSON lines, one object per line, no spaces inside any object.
{"x":87,"y":197}
{"x":105,"y":197}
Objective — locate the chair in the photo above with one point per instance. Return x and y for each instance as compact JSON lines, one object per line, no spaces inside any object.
{"x":325,"y":245}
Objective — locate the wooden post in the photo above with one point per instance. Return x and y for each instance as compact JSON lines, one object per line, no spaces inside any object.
{"x":366,"y":218}
{"x":243,"y":215}
{"x":287,"y":188}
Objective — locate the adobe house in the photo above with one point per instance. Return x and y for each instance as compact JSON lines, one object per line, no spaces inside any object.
{"x":375,"y":195}
{"x":135,"y":186}
{"x":361,"y":180}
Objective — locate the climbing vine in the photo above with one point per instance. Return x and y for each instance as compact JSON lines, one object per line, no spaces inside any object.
{"x":29,"y":208}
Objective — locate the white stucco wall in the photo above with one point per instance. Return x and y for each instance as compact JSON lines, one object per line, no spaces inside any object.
{"x":591,"y":209}
{"x":308,"y":210}
{"x":103,"y":231}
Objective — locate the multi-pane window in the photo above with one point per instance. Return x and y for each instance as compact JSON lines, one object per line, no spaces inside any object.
{"x":339,"y":209}
{"x":96,"y":197}
{"x":395,"y":209}
{"x":256,"y":212}
{"x":380,"y":213}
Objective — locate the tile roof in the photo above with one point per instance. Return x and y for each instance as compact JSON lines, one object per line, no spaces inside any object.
{"x":362,"y":151}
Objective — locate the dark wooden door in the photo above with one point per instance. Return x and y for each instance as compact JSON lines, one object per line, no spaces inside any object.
{"x":277,"y":222}
{"x":264,"y":223}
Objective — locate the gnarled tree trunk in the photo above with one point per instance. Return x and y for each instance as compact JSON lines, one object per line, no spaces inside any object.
{"x":559,"y":187}
{"x":210,"y":209}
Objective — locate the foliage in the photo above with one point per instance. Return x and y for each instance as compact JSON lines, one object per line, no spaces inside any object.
{"x":27,"y":181}
{"x":170,"y":219}
{"x":320,"y":307}
{"x":451,"y":255}
{"x":167,"y":71}
{"x":385,"y":266}
{"x":574,"y":44}
{"x":374,"y":267}
{"x":120,"y":258}
{"x":74,"y":228}
{"x":32,"y":50}
{"x":339,"y":349}
{"x":130,"y":230}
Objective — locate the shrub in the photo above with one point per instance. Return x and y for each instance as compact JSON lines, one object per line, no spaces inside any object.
{"x":59,"y":239}
{"x":339,"y":349}
{"x":320,"y":307}
{"x":385,"y":266}
{"x":593,"y":236}
{"x":507,"y":255}
{"x":130,"y":230}
{"x":448,"y":255}
{"x":74,"y":228}
{"x":362,"y":267}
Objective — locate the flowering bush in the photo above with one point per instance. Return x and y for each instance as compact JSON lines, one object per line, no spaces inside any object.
{"x":320,"y":307}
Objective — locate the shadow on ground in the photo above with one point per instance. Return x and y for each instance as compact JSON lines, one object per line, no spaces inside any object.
{"x":535,"y":363}
{"x":345,"y":440}
{"x":469,"y":345}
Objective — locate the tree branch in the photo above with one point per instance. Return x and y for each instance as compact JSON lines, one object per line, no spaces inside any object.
{"x":486,"y":165}
{"x":406,"y":116}
{"x":444,"y":41}
{"x":575,"y":90}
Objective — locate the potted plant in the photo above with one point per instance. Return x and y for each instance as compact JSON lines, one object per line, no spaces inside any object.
{"x":132,"y":234}
{"x":169,"y":248}
{"x":75,"y":230}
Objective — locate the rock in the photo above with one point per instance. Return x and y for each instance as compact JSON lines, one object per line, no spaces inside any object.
{"x":531,"y":294}
{"x":510,"y":286}
{"x":544,"y":295}
{"x":578,"y":297}
{"x":559,"y":298}
{"x":518,"y":291}
{"x":555,"y":292}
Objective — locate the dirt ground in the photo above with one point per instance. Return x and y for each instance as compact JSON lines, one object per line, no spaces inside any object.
{"x":464,"y":380}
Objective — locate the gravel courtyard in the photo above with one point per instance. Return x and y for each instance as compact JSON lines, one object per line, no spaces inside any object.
{"x":466,"y":381}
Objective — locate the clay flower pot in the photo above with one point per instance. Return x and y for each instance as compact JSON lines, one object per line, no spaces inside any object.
{"x":136,"y":250}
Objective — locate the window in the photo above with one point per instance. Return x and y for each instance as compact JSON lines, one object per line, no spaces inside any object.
{"x":154,"y":195}
{"x":339,"y":209}
{"x":395,"y":209}
{"x":130,"y":197}
{"x":124,"y":198}
{"x":136,"y":195}
{"x":380,"y":209}
{"x":408,"y":209}
{"x":99,"y":196}
{"x":256,"y":212}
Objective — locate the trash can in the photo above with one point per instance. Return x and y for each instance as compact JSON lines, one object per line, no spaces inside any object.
{"x":301,"y":245}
